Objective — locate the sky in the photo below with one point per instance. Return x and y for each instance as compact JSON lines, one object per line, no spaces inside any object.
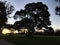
{"x":19,"y":4}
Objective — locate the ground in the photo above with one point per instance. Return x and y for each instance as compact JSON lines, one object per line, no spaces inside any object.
{"x":36,"y":40}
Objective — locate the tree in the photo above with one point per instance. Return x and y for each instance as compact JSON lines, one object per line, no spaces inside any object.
{"x":57,"y":32}
{"x":34,"y":14}
{"x":20,"y":14}
{"x":39,"y":14}
{"x":57,"y":1}
{"x":57,"y":9}
{"x":9,"y":8}
{"x":4,"y":13}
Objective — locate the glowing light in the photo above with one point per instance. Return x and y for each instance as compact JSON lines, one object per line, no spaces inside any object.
{"x":38,"y":30}
{"x":23,"y":30}
{"x":16,"y":31}
{"x":6,"y":31}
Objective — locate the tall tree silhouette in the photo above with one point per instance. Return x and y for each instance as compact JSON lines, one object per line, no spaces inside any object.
{"x":34,"y":14}
{"x":3,"y":13}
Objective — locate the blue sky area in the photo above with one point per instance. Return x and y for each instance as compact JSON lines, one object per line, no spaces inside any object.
{"x":19,"y":4}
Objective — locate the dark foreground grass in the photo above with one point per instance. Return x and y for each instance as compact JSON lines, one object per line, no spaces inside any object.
{"x":36,"y":40}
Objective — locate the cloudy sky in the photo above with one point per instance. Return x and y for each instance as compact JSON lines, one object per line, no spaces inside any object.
{"x":19,"y":4}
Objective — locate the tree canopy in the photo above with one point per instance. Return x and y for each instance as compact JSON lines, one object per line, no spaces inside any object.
{"x":34,"y":14}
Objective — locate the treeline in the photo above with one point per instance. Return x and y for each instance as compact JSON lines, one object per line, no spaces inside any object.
{"x":33,"y":15}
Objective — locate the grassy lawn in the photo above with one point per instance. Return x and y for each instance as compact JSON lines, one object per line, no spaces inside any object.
{"x":37,"y":40}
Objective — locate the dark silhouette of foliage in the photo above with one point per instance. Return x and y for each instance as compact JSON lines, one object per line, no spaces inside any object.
{"x":57,"y":1}
{"x":34,"y":14}
{"x":3,"y":18}
{"x":21,"y":14}
{"x":38,"y":13}
{"x":9,"y":26}
{"x":49,"y":31}
{"x":4,"y":13}
{"x":57,"y":33}
{"x":57,"y":9}
{"x":9,"y":8}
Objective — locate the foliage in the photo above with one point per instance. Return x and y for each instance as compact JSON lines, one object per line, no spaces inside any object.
{"x":5,"y":10}
{"x":34,"y":14}
{"x":9,"y":8}
{"x":57,"y":0}
{"x":57,"y":8}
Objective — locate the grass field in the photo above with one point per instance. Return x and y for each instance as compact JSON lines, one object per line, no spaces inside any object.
{"x":36,"y":40}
